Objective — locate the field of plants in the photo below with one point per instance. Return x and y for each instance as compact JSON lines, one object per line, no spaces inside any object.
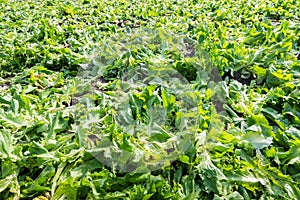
{"x":225,"y":128}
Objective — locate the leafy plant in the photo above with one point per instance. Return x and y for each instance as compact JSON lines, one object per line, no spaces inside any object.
{"x":253,"y":45}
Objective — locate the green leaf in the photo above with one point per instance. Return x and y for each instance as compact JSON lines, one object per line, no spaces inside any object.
{"x":6,"y":144}
{"x":5,"y":183}
{"x":185,"y":159}
{"x":257,"y":140}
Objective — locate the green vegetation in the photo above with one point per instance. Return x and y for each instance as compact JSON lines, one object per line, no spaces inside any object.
{"x":254,"y":44}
